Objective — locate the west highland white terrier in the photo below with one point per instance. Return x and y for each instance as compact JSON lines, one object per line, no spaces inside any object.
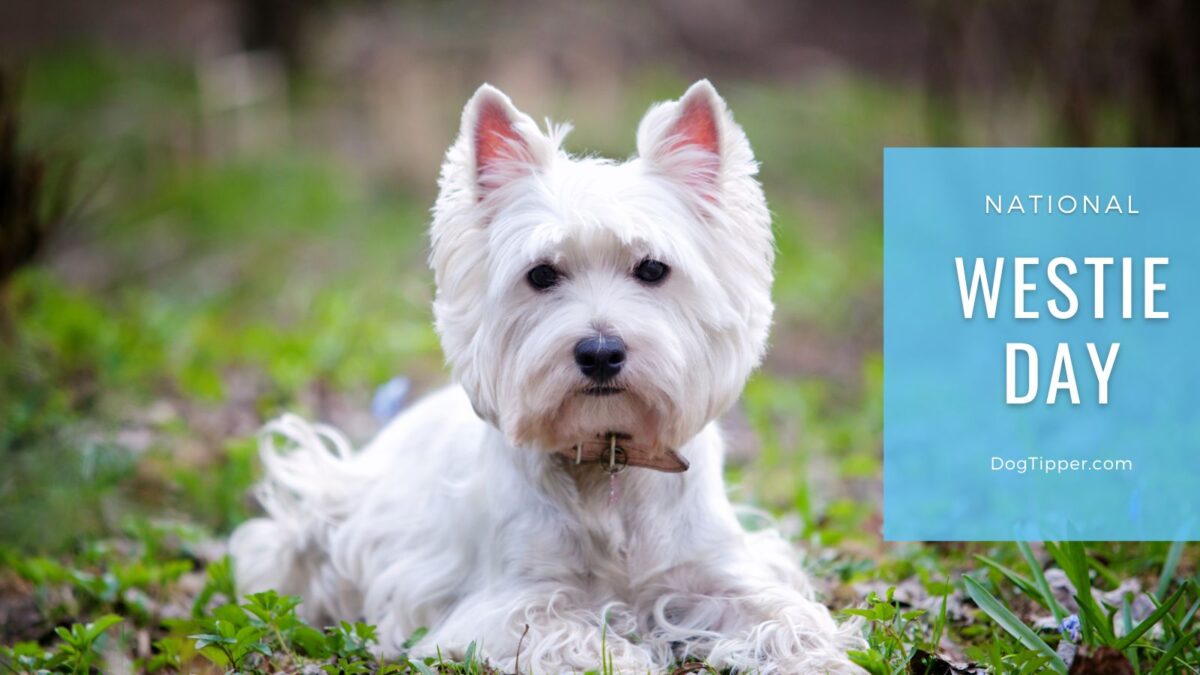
{"x":563,"y":503}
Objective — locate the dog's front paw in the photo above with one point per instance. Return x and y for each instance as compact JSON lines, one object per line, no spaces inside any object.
{"x":798,"y":638}
{"x":575,"y":647}
{"x":544,"y":636}
{"x":769,"y":629}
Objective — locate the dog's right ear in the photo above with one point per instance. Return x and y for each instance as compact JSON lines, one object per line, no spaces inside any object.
{"x":504,"y":142}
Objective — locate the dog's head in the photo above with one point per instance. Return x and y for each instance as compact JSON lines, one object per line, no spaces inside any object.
{"x":578,"y":297}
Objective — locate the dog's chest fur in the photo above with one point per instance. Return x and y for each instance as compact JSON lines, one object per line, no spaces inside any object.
{"x":610,"y":530}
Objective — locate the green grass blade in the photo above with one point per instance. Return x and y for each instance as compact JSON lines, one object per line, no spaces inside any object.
{"x":1190,"y":613}
{"x":1165,"y":662}
{"x":1071,"y":557}
{"x":1043,"y":586}
{"x":939,"y":625}
{"x":1022,"y":582}
{"x":1150,"y":621}
{"x":1127,"y":621}
{"x":1089,"y":614}
{"x":1010,"y":623}
{"x":1035,"y":664}
{"x":1061,"y":555}
{"x":1168,"y":571}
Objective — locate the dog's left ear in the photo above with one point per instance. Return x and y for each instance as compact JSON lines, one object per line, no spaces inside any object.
{"x":693,"y":139}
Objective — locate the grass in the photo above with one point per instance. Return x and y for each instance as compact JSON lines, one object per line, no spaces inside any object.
{"x":197,"y":295}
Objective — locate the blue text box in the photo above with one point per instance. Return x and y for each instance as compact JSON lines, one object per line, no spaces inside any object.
{"x":963,"y":460}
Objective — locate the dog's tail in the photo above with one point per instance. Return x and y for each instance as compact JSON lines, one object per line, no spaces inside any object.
{"x":310,"y":475}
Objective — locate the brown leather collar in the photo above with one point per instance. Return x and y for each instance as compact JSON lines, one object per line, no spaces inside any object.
{"x":614,"y":454}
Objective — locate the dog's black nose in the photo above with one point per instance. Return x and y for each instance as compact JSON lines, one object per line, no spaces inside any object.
{"x":600,"y":357}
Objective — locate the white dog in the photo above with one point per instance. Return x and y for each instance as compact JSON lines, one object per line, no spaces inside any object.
{"x":564,"y":504}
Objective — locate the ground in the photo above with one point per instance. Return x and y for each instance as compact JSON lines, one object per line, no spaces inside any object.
{"x":198,"y":289}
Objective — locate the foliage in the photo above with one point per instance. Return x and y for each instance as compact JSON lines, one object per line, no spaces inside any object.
{"x":221,"y":290}
{"x":77,"y":653}
{"x":892,"y":634}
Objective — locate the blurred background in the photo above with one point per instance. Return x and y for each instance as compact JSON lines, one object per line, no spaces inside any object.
{"x":213,"y":211}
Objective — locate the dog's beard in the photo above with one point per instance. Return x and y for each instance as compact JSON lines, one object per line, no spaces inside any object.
{"x":587,"y":412}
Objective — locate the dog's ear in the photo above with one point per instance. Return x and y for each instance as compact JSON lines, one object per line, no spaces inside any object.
{"x":504,"y":142}
{"x":691,"y":139}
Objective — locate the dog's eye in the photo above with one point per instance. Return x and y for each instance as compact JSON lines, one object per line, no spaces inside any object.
{"x":543,"y":277}
{"x":651,"y":271}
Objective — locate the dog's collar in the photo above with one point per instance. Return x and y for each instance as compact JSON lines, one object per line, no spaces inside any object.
{"x":614,"y":454}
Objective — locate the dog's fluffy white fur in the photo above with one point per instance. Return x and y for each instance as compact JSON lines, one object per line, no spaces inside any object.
{"x":464,"y":517}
